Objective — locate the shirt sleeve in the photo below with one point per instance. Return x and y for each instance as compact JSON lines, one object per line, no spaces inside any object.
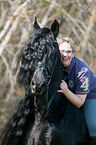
{"x":82,"y":81}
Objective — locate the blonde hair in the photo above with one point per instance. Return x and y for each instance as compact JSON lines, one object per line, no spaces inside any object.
{"x":68,"y":40}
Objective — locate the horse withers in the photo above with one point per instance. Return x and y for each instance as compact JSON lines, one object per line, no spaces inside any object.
{"x":44,"y":116}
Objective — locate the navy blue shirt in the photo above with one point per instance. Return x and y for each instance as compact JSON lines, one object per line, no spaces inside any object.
{"x":80,"y":78}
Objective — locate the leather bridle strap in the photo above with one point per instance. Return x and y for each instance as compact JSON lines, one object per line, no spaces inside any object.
{"x":40,"y":64}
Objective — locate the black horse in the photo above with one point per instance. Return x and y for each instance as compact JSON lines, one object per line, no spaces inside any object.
{"x":44,"y":116}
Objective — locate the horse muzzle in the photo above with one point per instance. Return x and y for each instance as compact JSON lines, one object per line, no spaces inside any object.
{"x":38,"y":89}
{"x":40,"y":79}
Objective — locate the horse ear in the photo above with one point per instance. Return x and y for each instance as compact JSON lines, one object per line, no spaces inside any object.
{"x":55,"y":28}
{"x":36,"y":25}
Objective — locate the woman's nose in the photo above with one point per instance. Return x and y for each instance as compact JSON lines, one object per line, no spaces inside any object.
{"x":65,"y":53}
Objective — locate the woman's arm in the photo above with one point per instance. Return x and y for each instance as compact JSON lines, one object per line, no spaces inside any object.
{"x":76,"y":99}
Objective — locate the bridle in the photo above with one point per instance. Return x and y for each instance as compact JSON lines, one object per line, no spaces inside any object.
{"x":47,"y":68}
{"x":49,"y":77}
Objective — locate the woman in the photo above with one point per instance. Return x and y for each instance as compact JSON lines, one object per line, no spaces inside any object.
{"x":80,"y":88}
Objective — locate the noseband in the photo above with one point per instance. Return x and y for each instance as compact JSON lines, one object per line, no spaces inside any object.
{"x":47,"y":68}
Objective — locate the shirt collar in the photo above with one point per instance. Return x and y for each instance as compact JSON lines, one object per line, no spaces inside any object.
{"x":69,"y":68}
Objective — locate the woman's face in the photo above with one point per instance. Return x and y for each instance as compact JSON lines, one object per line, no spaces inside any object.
{"x":66,"y":54}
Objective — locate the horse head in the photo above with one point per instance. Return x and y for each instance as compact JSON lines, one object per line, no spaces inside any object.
{"x":39,"y":59}
{"x":48,"y":48}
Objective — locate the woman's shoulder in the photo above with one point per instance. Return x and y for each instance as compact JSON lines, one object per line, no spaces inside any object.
{"x":81,"y":68}
{"x":80,"y":63}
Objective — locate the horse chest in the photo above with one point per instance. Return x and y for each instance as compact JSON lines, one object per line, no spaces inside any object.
{"x":40,"y":133}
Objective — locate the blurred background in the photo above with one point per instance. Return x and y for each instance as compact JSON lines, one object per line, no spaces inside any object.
{"x":77,"y":20}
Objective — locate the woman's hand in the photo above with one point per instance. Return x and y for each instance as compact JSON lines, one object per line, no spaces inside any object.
{"x":76,"y":99}
{"x":63,"y":87}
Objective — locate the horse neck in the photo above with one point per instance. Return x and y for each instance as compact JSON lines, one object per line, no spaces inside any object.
{"x":56,"y":78}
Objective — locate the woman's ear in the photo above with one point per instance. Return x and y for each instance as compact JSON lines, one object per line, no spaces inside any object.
{"x":73,"y":53}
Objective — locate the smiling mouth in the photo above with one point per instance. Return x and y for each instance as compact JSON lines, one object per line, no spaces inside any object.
{"x":64,"y":59}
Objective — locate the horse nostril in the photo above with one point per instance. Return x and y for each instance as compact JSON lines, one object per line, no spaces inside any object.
{"x":42,"y":85}
{"x":33,"y":88}
{"x":32,"y":83}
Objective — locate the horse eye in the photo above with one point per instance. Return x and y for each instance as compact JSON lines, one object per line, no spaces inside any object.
{"x":55,"y":51}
